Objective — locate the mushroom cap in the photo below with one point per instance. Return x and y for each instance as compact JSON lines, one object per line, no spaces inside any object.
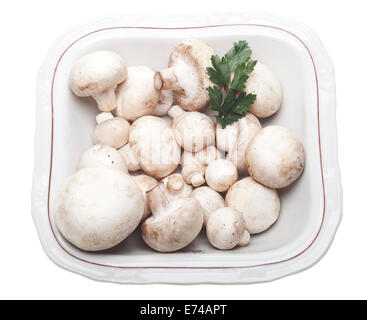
{"x":248,"y":127}
{"x":100,"y":155}
{"x":190,"y":59}
{"x":259,"y":205}
{"x":221,"y":174}
{"x":98,"y":208}
{"x":275,"y":157}
{"x":145,"y":183}
{"x":268,"y":90}
{"x":174,"y":227}
{"x":225,"y":228}
{"x":97,"y":72}
{"x":153,"y":142}
{"x":209,"y":199}
{"x":112,"y":132}
{"x":137,"y":96}
{"x":193,"y":131}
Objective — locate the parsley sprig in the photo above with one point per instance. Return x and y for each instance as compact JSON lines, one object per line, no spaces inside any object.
{"x":228,"y":98}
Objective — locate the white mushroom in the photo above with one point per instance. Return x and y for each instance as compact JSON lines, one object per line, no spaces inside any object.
{"x":209,"y":199}
{"x":137,"y":96}
{"x":112,"y":132}
{"x":275,"y":157}
{"x":192,"y":171}
{"x":97,"y":75}
{"x":187,"y":75}
{"x":268,"y":90}
{"x":98,"y":208}
{"x":235,"y":139}
{"x":193,"y":130}
{"x":177,"y":219}
{"x":259,"y":205}
{"x":220,"y":175}
{"x":194,"y":165}
{"x":226,"y":229}
{"x":145,"y":183}
{"x":154,"y":145}
{"x":100,"y":155}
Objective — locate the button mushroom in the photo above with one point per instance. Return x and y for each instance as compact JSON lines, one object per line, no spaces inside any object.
{"x":98,"y":208}
{"x":177,"y":219}
{"x":100,"y":155}
{"x":194,"y":165}
{"x":112,"y":132}
{"x":154,"y":145}
{"x":259,"y":205}
{"x":97,"y":75}
{"x":187,"y":75}
{"x":145,"y":183}
{"x":193,"y":130}
{"x":226,"y":229}
{"x":268,"y":90}
{"x":137,"y":96}
{"x":275,"y":157}
{"x":220,"y":175}
{"x":235,"y":139}
{"x":209,"y":199}
{"x":192,"y":171}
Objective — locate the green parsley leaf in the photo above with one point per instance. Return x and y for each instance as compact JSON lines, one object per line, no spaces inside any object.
{"x":216,"y":97}
{"x":240,"y":53}
{"x":241,"y":75}
{"x":220,"y":73}
{"x":234,"y":107}
{"x":244,"y":102}
{"x":236,"y":103}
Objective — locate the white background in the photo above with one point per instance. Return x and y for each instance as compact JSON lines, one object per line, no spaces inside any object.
{"x":27,"y":31}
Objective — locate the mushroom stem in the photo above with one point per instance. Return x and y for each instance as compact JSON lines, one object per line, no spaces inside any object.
{"x":167,"y":80}
{"x":106,"y":100}
{"x":130,"y":158}
{"x":245,"y":239}
{"x":103,"y":116}
{"x":192,"y":171}
{"x":157,"y":199}
{"x":170,"y":188}
{"x":164,"y":104}
{"x":197,"y":180}
{"x":175,"y":184}
{"x":175,"y":111}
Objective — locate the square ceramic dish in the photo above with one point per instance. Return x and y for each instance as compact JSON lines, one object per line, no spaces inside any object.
{"x":311,"y":209}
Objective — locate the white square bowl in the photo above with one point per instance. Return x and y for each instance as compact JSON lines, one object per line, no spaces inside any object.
{"x":311,"y":209}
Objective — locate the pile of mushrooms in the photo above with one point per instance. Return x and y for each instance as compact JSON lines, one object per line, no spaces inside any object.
{"x":161,"y":163}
